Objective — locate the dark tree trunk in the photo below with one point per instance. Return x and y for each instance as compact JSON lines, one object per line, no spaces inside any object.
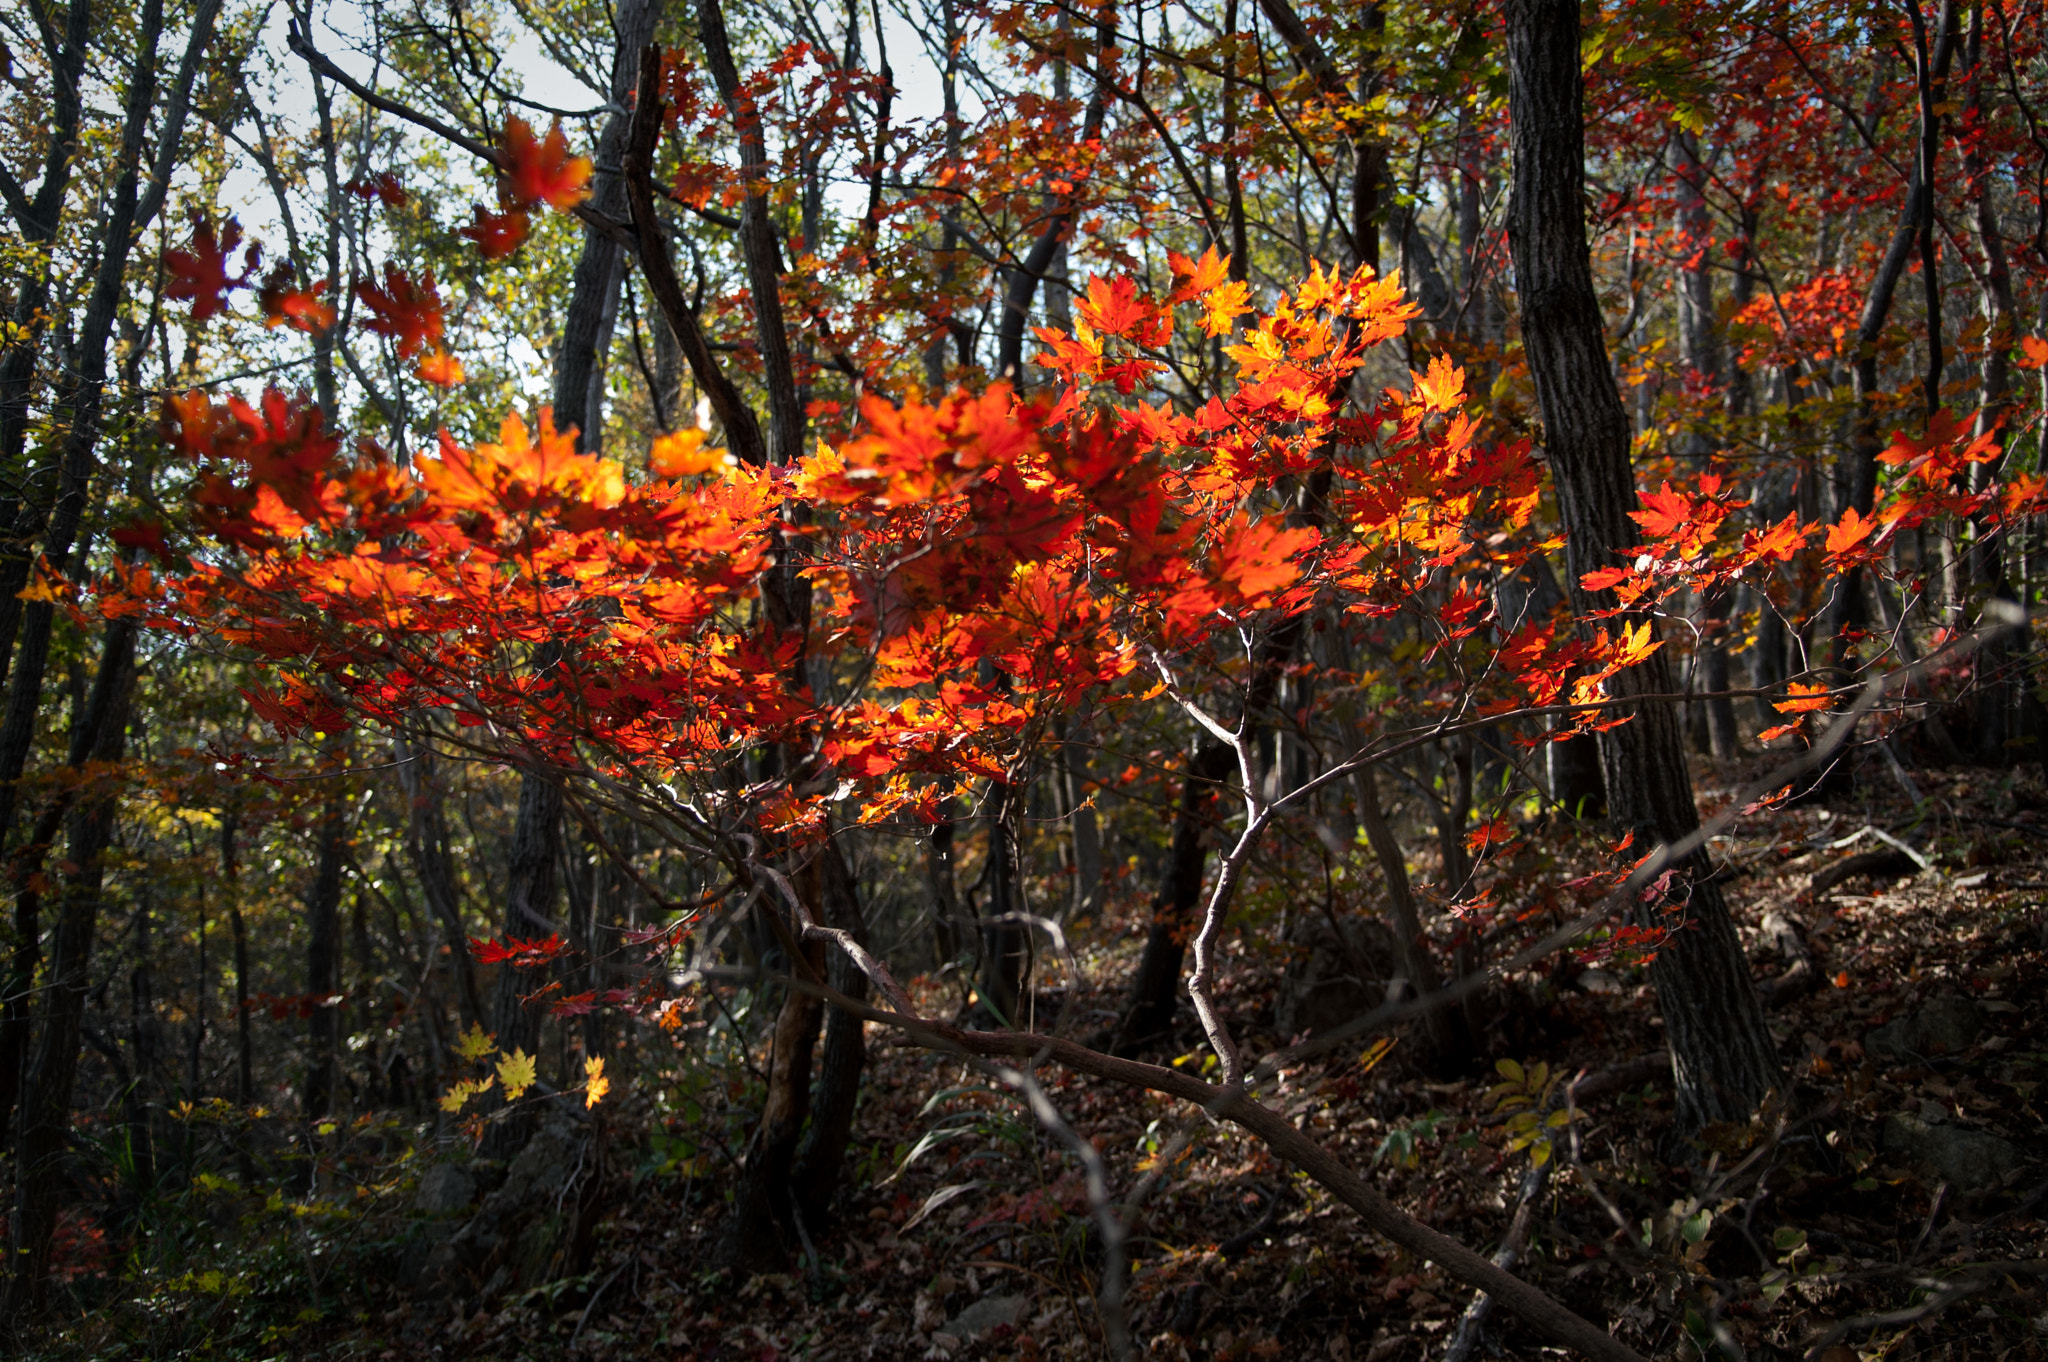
{"x":843,"y":1057}
{"x":1449,"y":1028}
{"x":1723,"y":1058}
{"x":426,"y":846}
{"x":754,"y":1237}
{"x":940,"y":885}
{"x":245,"y":1059}
{"x":323,"y":962}
{"x":45,"y":1123}
{"x":130,"y":209}
{"x":1704,"y":355}
{"x":1005,"y":942}
{"x":1156,"y":986}
{"x":2003,"y":692}
{"x":19,"y":511}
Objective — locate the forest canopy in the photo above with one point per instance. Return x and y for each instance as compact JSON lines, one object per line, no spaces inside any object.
{"x":695,"y":678}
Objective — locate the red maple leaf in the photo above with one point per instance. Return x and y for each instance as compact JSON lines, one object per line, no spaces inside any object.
{"x":383,"y":185}
{"x":497,"y":235}
{"x":301,"y":309}
{"x":405,"y":309}
{"x":518,"y":952}
{"x":199,"y":272}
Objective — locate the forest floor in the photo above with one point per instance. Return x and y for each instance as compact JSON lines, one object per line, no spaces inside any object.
{"x":1891,"y":1205}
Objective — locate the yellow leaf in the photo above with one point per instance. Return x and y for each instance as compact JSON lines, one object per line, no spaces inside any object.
{"x":517,"y":1071}
{"x":474,"y":1044}
{"x":1378,"y":1051}
{"x":455,"y":1097}
{"x":595,"y":1084}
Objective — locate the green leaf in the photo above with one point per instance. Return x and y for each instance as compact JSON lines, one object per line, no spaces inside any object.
{"x":1510,"y":1070}
{"x":1696,"y":1225}
{"x":1787,"y":1238}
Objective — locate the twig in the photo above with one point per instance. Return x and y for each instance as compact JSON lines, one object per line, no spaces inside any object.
{"x":1109,"y":1301}
{"x":598,"y":1295}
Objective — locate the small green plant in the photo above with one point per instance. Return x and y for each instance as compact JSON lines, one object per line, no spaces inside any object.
{"x":1402,"y":1141}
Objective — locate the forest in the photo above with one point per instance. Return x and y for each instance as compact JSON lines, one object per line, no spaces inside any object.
{"x":1001,"y":679}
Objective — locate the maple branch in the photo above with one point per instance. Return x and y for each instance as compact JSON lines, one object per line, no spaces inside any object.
{"x":1234,"y":1104}
{"x":742,"y":427}
{"x":1653,"y":865}
{"x":758,"y":244}
{"x":298,"y":41}
{"x":1025,"y":276}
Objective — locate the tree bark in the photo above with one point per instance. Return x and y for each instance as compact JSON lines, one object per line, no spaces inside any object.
{"x":753,"y":1238}
{"x":426,"y":846}
{"x":130,"y":209}
{"x":1722,"y":1055}
{"x":19,"y":510}
{"x":2002,"y":693}
{"x":1704,"y":355}
{"x":1449,"y":1029}
{"x":1005,"y":942}
{"x":843,"y":1057}
{"x":45,"y":1121}
{"x":1155,"y":987}
{"x":323,"y":962}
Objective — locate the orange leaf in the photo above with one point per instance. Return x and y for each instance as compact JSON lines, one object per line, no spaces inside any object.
{"x":1853,"y":530}
{"x":1193,"y":278}
{"x":1805,"y":698}
{"x":1443,"y":387}
{"x":1264,"y":557}
{"x":301,"y":309}
{"x":682,"y":453}
{"x":541,"y":171}
{"x":1634,"y":645}
{"x":439,"y":368}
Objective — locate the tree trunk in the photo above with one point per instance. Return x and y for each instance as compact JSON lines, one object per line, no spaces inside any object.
{"x":1084,"y":832}
{"x":1155,"y":987}
{"x":426,"y":846}
{"x":129,"y":210}
{"x":323,"y":962}
{"x":1450,"y":1034}
{"x":1704,"y":356}
{"x":45,"y":1124}
{"x":1723,"y":1058}
{"x":762,"y":1202}
{"x":245,"y":1062}
{"x":537,"y":832}
{"x":18,"y":381}
{"x":843,"y":1057}
{"x":1005,"y":942}
{"x":2002,"y":696}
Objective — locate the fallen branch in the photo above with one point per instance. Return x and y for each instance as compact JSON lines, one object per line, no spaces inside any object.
{"x":1473,"y":1323}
